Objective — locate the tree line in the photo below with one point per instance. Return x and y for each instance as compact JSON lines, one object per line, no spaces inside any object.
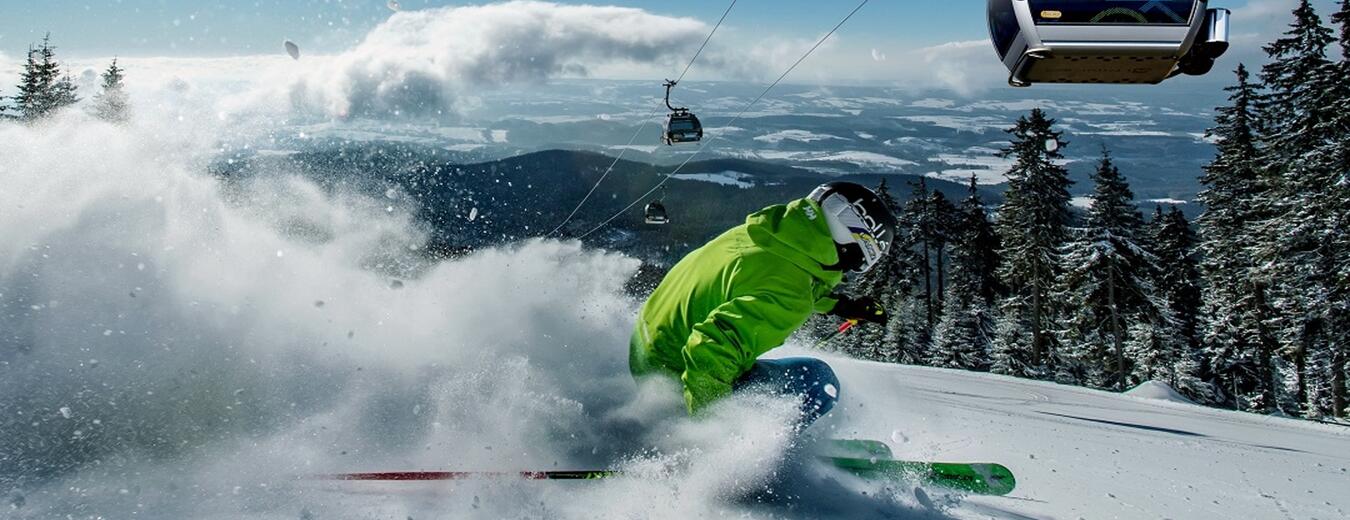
{"x":46,"y":87}
{"x":1247,"y":309}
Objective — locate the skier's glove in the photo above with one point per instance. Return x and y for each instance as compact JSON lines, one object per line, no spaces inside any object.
{"x":862,"y":309}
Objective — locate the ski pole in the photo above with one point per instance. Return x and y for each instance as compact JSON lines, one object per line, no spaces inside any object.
{"x":471,"y":475}
{"x":843,"y":327}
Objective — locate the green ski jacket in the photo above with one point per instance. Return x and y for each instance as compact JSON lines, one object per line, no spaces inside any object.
{"x":735,"y":298}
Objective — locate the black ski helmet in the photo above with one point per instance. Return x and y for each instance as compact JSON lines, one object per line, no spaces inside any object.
{"x":860,"y":223}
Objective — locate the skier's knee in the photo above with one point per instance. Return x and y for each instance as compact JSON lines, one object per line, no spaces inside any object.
{"x":823,"y":387}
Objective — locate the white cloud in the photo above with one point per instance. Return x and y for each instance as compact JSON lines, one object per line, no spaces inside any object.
{"x":420,"y":62}
{"x":963,"y":66}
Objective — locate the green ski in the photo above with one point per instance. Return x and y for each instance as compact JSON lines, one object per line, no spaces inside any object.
{"x":871,"y":460}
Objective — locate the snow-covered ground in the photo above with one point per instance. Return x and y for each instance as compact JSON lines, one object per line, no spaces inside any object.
{"x":1081,"y":453}
{"x":727,"y":178}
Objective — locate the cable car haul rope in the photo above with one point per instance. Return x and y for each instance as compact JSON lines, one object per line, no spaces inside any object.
{"x":1039,"y":41}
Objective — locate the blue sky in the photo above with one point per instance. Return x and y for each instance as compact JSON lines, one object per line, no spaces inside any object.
{"x":904,"y":30}
{"x":215,"y":28}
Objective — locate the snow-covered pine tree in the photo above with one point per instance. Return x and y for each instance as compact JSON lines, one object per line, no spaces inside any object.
{"x":1237,"y":342}
{"x":1172,"y":241}
{"x":916,"y":219}
{"x":63,"y":92}
{"x":964,"y":334}
{"x":1295,"y":253}
{"x":908,"y":338}
{"x":1340,"y":298}
{"x":1032,"y":224}
{"x":111,"y":103}
{"x":34,"y":83}
{"x":43,"y":89}
{"x":1012,"y":334}
{"x":943,"y":217}
{"x":1107,"y":282}
{"x":981,"y":245}
{"x":1176,"y":280}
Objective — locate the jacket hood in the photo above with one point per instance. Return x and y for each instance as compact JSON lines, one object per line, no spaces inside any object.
{"x":797,"y":232}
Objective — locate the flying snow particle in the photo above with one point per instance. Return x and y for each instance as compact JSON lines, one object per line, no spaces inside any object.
{"x":391,"y":194}
{"x":473,"y":214}
{"x":878,"y":55}
{"x":831,"y":391}
{"x":394,"y":5}
{"x":292,"y":49}
{"x":65,"y":411}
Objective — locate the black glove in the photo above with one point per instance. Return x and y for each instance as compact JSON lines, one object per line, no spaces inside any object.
{"x":862,"y":309}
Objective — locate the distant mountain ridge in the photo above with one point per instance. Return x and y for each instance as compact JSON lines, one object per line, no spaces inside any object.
{"x":472,"y":205}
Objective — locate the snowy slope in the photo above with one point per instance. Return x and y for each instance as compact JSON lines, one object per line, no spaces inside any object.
{"x":1077,"y":454}
{"x":1086,"y":454}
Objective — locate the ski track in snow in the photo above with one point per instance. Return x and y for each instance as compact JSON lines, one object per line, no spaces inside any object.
{"x":1085,"y":453}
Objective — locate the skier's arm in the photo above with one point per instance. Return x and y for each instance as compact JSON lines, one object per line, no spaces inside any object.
{"x":724,"y":345}
{"x":826,"y":304}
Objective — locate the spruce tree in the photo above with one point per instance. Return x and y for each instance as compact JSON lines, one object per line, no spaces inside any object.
{"x":1173,"y":242}
{"x":1175,"y":333}
{"x":943,"y":217}
{"x":1012,"y":334}
{"x":1032,"y":223}
{"x":1295,"y":251}
{"x":34,"y":83}
{"x":965,"y":332}
{"x":111,"y":103}
{"x":1107,"y":284}
{"x":63,"y":92}
{"x":981,"y":245}
{"x":1235,"y":335}
{"x":43,"y":88}
{"x":1339,"y":355}
{"x":917,"y":218}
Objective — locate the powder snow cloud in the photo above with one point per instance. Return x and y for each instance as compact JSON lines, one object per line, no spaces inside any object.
{"x":421,"y":62}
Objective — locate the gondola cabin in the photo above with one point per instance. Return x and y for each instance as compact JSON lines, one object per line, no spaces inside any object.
{"x":656,"y":214}
{"x":1105,"y":41}
{"x":681,"y":126}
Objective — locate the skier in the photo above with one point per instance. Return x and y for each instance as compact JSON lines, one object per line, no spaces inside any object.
{"x":746,"y":291}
